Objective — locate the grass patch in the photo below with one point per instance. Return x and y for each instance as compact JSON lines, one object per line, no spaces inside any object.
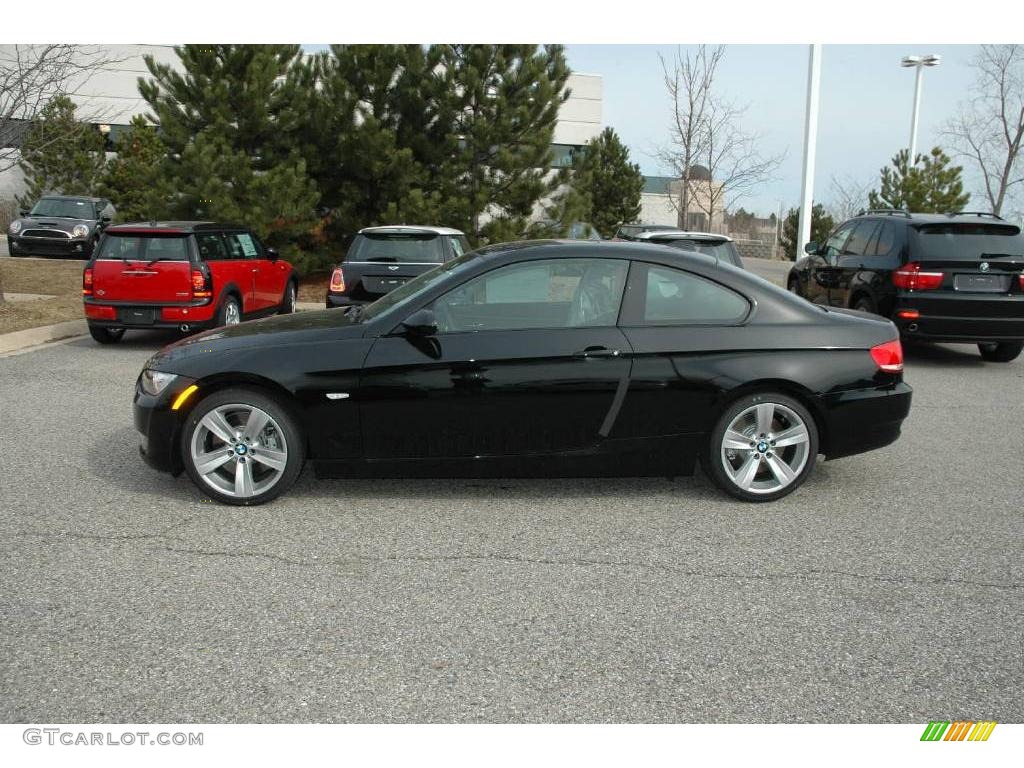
{"x":313,"y":287}
{"x":19,"y":315}
{"x":61,"y":279}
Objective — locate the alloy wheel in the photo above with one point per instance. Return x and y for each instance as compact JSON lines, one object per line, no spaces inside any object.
{"x":232,"y":316}
{"x":239,"y":450}
{"x":765,"y":448}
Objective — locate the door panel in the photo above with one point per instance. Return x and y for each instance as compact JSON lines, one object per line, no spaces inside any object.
{"x":851,"y":261}
{"x":492,"y":393}
{"x":227,"y":266}
{"x":823,"y":268}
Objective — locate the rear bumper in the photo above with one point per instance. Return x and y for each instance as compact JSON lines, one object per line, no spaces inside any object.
{"x":38,"y":246}
{"x":341,"y":300}
{"x":122,"y":315}
{"x":966,"y":318}
{"x":864,"y":419}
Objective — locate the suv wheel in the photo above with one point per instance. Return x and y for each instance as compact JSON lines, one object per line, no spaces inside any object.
{"x":242,"y":447}
{"x":106,"y":335}
{"x":763,"y":447}
{"x":864,"y":304}
{"x":229,"y":312}
{"x":290,"y":298}
{"x":1003,"y":352}
{"x":794,"y":286}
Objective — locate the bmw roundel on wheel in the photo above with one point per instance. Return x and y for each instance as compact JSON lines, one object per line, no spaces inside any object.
{"x":541,"y":358}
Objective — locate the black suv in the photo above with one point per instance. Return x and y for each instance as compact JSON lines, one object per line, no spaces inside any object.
{"x":383,"y":258}
{"x":939,"y":277}
{"x":60,"y":225}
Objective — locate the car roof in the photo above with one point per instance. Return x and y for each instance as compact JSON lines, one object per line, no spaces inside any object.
{"x":175,"y":226}
{"x":71,"y":197}
{"x":398,"y":229}
{"x":931,"y":218}
{"x":679,"y":234}
{"x":597,"y":249}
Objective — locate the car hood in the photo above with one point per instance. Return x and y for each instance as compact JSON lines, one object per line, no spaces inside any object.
{"x":298,"y":328}
{"x":53,"y":222}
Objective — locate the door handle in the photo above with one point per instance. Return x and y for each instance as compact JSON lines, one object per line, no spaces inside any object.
{"x":598,"y":352}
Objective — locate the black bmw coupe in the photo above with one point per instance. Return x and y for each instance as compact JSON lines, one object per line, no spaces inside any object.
{"x":534,"y":358}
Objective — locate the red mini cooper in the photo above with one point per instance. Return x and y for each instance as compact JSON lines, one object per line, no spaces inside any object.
{"x":184,"y":275}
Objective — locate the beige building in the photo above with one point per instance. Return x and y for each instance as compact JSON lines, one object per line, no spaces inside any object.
{"x":661,"y":199}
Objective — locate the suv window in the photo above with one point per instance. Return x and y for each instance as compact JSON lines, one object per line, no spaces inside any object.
{"x":884,"y":240}
{"x":858,"y":243}
{"x":958,"y":241}
{"x":397,"y":247}
{"x":554,"y":293}
{"x":672,"y":296}
{"x":834,"y":245}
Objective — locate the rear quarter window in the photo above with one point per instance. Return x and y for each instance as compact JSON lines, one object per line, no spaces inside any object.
{"x":676,"y":297}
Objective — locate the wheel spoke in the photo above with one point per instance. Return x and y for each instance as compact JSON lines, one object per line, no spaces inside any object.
{"x":765,"y":414}
{"x":792,"y":436}
{"x":257,"y":421}
{"x":744,"y":476}
{"x":206,"y":463}
{"x":273,"y":459}
{"x":243,"y":479}
{"x":737,"y":441}
{"x":216,"y":423}
{"x":782,"y":471}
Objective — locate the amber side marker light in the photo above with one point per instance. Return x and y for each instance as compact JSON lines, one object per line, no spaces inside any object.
{"x":185,"y":395}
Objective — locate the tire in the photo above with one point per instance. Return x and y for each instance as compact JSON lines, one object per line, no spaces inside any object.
{"x":1003,"y":352}
{"x":105,"y":335}
{"x":774,"y":474}
{"x":291,"y":295}
{"x":230,"y":312}
{"x":239,"y":471}
{"x":865,"y":304}
{"x":793,"y":286}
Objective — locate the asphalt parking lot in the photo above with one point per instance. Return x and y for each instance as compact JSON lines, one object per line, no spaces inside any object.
{"x":888,"y":589}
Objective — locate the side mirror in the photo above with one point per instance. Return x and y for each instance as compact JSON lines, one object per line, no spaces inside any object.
{"x":420,"y":323}
{"x":272,"y":254}
{"x":106,"y":218}
{"x":24,"y":212}
{"x":811,"y":248}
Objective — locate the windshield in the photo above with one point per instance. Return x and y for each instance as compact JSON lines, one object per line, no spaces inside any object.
{"x":723,"y":250}
{"x":169,"y":247}
{"x":967,"y":241}
{"x":64,"y":209}
{"x":407,"y":292}
{"x":404,"y":247}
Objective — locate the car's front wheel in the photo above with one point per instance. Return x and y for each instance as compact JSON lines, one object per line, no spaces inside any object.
{"x":106,"y":335}
{"x":242,"y":447}
{"x":1003,"y":352}
{"x":763,"y":447}
{"x":794,"y":286}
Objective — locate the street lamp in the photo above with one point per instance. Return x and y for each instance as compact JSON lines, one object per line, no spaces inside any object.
{"x":919,"y":62}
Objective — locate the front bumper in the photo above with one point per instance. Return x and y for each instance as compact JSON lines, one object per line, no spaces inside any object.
{"x":159,"y":427}
{"x":40,"y":246}
{"x":864,"y":419}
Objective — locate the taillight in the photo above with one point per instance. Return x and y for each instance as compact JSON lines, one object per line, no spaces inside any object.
{"x":1022,"y":281}
{"x":908,"y":314}
{"x":911,"y":278}
{"x":87,"y":282}
{"x":889,"y":356}
{"x":337,"y":281}
{"x":201,"y":288}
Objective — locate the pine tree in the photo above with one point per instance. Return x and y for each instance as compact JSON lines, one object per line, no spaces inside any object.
{"x":61,"y":155}
{"x":604,"y":187}
{"x":931,"y":185}
{"x":822,"y":225}
{"x":503,"y":102}
{"x":133,"y":180}
{"x":229,"y":120}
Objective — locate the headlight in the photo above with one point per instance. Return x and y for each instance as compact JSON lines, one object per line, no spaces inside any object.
{"x":155,"y":382}
{"x":15,"y":227}
{"x":80,"y":230}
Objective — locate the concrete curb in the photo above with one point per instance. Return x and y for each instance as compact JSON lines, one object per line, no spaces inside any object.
{"x":33,"y":337}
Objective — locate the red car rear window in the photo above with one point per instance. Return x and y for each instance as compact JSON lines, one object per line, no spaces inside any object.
{"x":150,"y":247}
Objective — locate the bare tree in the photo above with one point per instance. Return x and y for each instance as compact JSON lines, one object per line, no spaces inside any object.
{"x":31,"y":75}
{"x":849,"y":196}
{"x":706,"y":130}
{"x":988,"y":130}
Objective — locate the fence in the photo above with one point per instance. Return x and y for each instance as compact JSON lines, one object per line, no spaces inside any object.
{"x":759,"y":249}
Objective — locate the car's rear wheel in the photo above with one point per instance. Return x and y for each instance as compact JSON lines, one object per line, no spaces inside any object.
{"x":291,"y":294}
{"x":242,"y":447}
{"x":864,"y":304}
{"x":794,"y":286}
{"x":229,"y":313}
{"x":105,"y":335}
{"x":763,"y":447}
{"x":1003,"y":352}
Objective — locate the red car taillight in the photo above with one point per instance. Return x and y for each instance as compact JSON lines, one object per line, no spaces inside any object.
{"x":889,"y":356}
{"x":201,"y":288}
{"x":337,"y":281}
{"x":87,"y":282}
{"x":911,"y":278}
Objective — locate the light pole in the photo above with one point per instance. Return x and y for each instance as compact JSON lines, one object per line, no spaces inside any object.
{"x":919,"y":62}
{"x":810,"y":147}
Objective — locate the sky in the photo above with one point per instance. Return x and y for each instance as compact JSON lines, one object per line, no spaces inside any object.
{"x":866,"y":100}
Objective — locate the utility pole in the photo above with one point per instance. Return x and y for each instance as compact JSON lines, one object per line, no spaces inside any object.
{"x":810,"y":146}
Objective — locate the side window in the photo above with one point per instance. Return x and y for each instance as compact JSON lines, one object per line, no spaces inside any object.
{"x":835,"y":243}
{"x":457,"y":249}
{"x":858,"y":243}
{"x":885,"y":240}
{"x":555,"y":293}
{"x":211,"y":247}
{"x":672,"y":297}
{"x":235,"y":248}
